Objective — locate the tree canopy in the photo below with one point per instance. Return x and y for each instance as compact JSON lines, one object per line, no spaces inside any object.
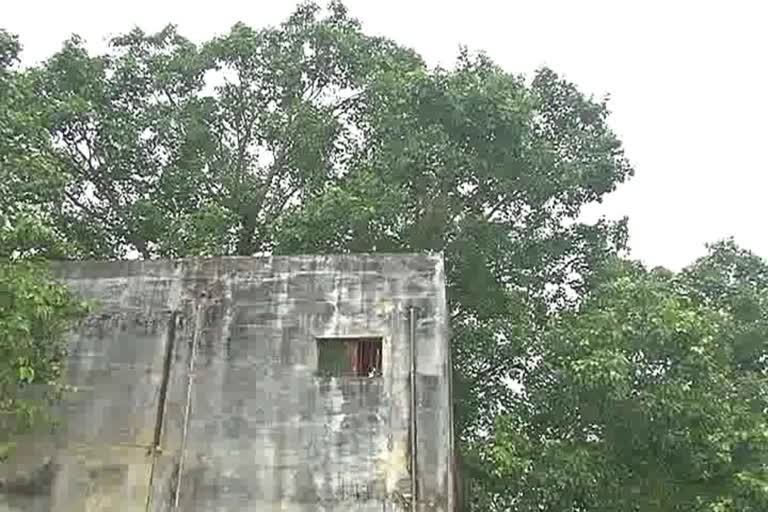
{"x":652,"y":396}
{"x":313,"y":136}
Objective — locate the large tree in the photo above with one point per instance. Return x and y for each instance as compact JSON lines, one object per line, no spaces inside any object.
{"x":651,"y":396}
{"x":173,"y":149}
{"x":313,"y":136}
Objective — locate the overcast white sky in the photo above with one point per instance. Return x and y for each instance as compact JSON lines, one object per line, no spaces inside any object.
{"x":688,"y":82}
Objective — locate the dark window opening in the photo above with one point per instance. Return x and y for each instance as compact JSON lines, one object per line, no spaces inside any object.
{"x":352,"y":357}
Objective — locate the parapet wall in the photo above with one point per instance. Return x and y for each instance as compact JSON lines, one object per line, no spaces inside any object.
{"x":199,"y":390}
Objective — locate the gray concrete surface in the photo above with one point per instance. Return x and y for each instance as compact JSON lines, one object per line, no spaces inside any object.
{"x":197,"y":382}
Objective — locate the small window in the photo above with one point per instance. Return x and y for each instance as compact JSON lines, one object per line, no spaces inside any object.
{"x":353,"y":357}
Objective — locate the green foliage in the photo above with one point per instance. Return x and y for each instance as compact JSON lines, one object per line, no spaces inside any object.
{"x":9,"y":49}
{"x":29,"y":177}
{"x":312,"y":136}
{"x":170,"y":149}
{"x":651,"y":396}
{"x":35,"y":314}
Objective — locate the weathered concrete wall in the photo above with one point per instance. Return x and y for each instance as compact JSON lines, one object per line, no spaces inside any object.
{"x":215,"y":362}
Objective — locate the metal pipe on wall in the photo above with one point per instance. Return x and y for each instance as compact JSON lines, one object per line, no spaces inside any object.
{"x":414,"y":458}
{"x":200,"y":310}
{"x":155,"y":450}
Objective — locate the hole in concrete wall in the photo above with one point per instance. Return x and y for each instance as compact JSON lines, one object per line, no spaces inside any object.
{"x":353,"y":357}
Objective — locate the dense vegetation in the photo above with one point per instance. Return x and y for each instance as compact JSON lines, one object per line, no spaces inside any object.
{"x":633,"y":389}
{"x":35,"y":312}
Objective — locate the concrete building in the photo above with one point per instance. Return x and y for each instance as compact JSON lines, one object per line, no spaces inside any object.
{"x":250,"y":384}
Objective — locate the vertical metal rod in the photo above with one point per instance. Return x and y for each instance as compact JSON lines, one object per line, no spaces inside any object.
{"x":414,"y":458}
{"x":161,"y":402}
{"x":167,"y":363}
{"x":188,"y":407}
